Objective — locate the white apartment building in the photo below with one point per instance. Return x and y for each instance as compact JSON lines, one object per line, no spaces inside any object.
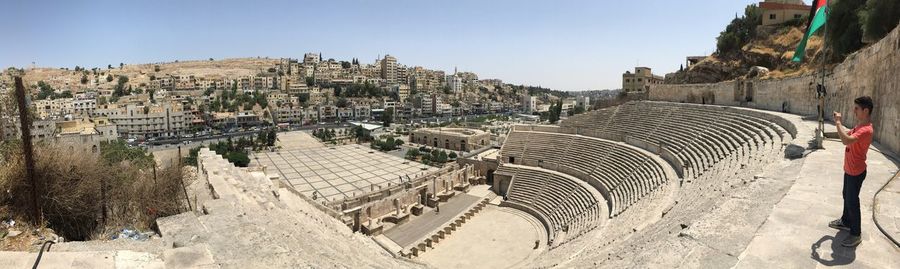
{"x":455,"y":83}
{"x":146,"y":121}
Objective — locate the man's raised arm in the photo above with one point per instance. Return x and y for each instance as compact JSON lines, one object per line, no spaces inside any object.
{"x":845,"y":138}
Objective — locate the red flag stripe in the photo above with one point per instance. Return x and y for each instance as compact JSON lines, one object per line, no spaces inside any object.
{"x":820,"y":3}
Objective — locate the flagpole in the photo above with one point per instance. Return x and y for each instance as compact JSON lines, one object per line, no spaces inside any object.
{"x":821,"y":91}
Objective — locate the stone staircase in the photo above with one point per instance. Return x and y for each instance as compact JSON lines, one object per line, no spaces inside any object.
{"x":430,"y":242}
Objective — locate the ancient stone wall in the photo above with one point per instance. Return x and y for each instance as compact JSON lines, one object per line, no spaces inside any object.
{"x":873,"y":71}
{"x":383,"y":202}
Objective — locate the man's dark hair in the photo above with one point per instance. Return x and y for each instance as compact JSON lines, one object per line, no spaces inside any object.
{"x":865,"y":102}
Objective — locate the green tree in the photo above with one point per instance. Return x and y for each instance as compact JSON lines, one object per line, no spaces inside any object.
{"x":844,"y":31}
{"x":739,"y":32}
{"x":109,"y":78}
{"x":45,"y":91}
{"x":117,"y":151}
{"x":238,"y":158}
{"x":342,"y":102}
{"x":191,"y":159}
{"x":412,"y":154}
{"x":303,"y":98}
{"x":387,"y":117}
{"x":878,"y":18}
{"x":555,"y":112}
{"x":271,"y":138}
{"x":577,"y":110}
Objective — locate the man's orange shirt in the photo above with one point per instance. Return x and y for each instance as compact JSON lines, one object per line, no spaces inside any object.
{"x":855,"y":154}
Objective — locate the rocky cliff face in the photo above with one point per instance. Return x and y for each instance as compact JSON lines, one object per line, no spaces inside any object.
{"x":773,"y":48}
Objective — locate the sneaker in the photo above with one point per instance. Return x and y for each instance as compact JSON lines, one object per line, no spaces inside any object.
{"x":838,"y":224}
{"x":851,"y":241}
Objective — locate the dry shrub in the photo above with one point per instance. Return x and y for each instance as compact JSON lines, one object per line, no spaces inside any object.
{"x":81,"y":196}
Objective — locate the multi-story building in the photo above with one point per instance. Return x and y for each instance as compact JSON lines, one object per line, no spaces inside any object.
{"x":40,"y":129}
{"x":389,"y":69}
{"x":640,"y":80}
{"x":781,"y":11}
{"x":345,"y":113}
{"x":311,"y":58}
{"x":327,"y":113}
{"x":442,"y":108}
{"x":455,"y":83}
{"x":288,"y":114}
{"x":496,"y":106}
{"x":84,"y":106}
{"x":362,"y":111}
{"x":146,"y":121}
{"x":529,"y":103}
{"x":53,"y":108}
{"x":583,"y":101}
{"x":492,"y":82}
{"x":247,"y":118}
{"x":185,"y":82}
{"x":425,"y":102}
{"x":569,"y":104}
{"x":460,"y":139}
{"x":402,"y":92}
{"x":402,"y":75}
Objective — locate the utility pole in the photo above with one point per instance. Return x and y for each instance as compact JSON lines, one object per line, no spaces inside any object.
{"x":28,"y":151}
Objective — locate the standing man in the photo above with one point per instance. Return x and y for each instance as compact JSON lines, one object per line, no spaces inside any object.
{"x":857,"y":145}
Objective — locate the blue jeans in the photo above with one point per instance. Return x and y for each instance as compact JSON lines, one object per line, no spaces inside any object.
{"x":851,"y":217}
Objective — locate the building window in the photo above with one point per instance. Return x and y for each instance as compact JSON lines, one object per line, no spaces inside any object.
{"x":771,"y":16}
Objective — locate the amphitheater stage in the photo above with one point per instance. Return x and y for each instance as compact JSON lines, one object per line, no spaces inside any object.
{"x":796,"y":234}
{"x":407,"y":234}
{"x":337,"y":173}
{"x":499,"y":237}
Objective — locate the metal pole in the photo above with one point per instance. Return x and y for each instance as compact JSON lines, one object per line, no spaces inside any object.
{"x":28,"y":151}
{"x":821,"y":91}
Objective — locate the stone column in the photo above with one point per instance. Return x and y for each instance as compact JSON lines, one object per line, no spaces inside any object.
{"x":397,"y":206}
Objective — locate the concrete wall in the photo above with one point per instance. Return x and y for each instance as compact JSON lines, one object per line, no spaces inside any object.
{"x":873,"y":71}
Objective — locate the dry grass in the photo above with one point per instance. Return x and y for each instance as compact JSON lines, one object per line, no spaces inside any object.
{"x":82,"y":197}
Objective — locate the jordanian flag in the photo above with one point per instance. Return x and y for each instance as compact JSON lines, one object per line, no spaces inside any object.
{"x":817,"y":15}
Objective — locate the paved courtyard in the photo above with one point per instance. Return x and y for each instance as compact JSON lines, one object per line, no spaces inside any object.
{"x":796,"y":233}
{"x":338,"y":173}
{"x":297,"y":140}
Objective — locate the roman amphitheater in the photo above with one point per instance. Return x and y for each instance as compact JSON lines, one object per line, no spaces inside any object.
{"x":659,"y":183}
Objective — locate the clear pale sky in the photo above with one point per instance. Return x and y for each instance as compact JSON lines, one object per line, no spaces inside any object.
{"x":564,"y":45}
